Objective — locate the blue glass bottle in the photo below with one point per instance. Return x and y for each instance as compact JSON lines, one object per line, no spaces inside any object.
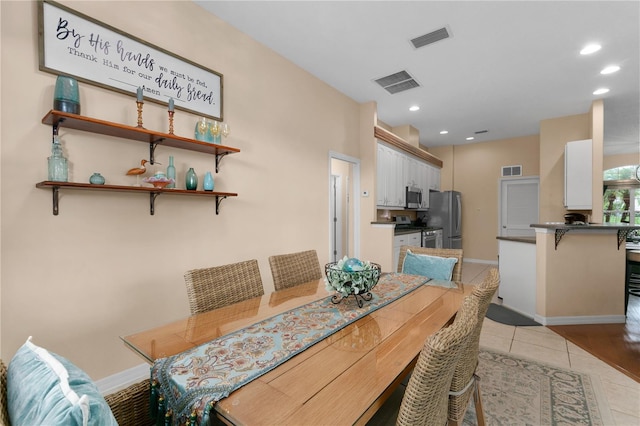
{"x":171,"y":172}
{"x":58,"y":166}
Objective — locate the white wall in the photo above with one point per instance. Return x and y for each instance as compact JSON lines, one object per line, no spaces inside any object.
{"x":104,"y":267}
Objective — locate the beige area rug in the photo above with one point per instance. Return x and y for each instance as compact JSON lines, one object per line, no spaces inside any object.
{"x":519,"y":391}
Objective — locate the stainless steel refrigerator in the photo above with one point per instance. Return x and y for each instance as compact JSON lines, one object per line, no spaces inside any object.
{"x":445,"y":211}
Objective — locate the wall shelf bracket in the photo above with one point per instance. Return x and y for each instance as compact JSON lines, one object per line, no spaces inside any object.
{"x":622,"y":236}
{"x":152,"y":202}
{"x":219,"y":158}
{"x":152,"y":150}
{"x":219,"y":199}
{"x":559,"y":234}
{"x":55,"y":191}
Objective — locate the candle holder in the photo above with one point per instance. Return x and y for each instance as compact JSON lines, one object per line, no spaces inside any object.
{"x":139,"y":104}
{"x":171,"y":122}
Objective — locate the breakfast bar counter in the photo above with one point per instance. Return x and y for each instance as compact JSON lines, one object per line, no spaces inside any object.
{"x":580,"y":273}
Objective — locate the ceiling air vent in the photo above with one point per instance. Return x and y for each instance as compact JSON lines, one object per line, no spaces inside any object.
{"x":397,"y":82}
{"x":430,"y":38}
{"x":510,"y":171}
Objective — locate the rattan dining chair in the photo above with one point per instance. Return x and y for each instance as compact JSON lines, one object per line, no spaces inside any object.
{"x":465,"y":381}
{"x":457,"y":253}
{"x":425,"y":399}
{"x":289,"y":270}
{"x":4,"y":408}
{"x":212,"y":288}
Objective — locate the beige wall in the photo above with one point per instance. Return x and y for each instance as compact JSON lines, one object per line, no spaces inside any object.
{"x":474,"y":170}
{"x":104,"y":267}
{"x":554,"y":134}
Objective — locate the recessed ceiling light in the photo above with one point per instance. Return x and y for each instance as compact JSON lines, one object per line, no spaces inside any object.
{"x":601,"y":91}
{"x":414,"y":108}
{"x":470,"y":138}
{"x":590,"y":48}
{"x":444,"y":132}
{"x":610,"y":69}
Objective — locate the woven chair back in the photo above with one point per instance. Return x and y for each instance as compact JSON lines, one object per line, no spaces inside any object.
{"x":457,"y":253}
{"x":289,"y":270}
{"x":466,"y":367}
{"x":4,"y":409}
{"x":212,"y":288}
{"x":425,"y":399}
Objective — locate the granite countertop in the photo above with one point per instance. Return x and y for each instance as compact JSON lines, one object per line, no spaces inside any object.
{"x":404,"y":229}
{"x":562,"y":225}
{"x":528,"y":240}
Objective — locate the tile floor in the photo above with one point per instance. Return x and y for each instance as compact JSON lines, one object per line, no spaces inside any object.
{"x":542,"y":344}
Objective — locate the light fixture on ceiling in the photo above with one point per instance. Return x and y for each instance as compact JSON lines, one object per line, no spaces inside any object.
{"x":610,"y":69}
{"x":444,"y":132}
{"x":470,"y":138}
{"x":601,"y":91}
{"x":590,"y":48}
{"x":414,"y":108}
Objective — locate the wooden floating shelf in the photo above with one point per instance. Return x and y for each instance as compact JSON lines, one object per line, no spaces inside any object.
{"x":140,"y":134}
{"x":152,"y":191}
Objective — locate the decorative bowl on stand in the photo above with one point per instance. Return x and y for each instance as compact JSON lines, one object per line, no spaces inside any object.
{"x":158,"y":182}
{"x":351,"y":277}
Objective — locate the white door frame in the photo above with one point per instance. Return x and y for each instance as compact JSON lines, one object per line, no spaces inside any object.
{"x":355,"y":200}
{"x":336,"y":223}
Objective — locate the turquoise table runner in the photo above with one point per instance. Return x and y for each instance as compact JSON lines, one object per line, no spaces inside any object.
{"x":194,"y":380}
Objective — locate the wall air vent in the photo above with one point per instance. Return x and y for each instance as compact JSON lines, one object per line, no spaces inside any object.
{"x":510,"y":171}
{"x":430,"y":38}
{"x":397,"y":82}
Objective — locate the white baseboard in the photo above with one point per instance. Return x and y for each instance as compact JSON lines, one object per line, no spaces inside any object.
{"x":123,"y":379}
{"x":600,"y":319}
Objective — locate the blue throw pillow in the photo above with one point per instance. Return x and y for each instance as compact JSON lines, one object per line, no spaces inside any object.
{"x":46,"y":389}
{"x":438,"y":268}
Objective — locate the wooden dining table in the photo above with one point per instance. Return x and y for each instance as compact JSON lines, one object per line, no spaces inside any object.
{"x":341,"y":380}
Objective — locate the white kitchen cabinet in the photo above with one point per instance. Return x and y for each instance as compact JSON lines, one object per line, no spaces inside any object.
{"x":390,"y":176}
{"x":398,"y":241}
{"x":578,"y":175}
{"x":434,"y":178}
{"x":415,"y":239}
{"x":517,"y":265}
{"x":412,"y":239}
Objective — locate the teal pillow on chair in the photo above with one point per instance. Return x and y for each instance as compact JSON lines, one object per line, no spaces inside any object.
{"x":438,"y":268}
{"x":46,"y":389}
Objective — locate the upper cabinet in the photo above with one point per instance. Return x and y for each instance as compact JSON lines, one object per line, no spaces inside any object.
{"x":578,"y":175}
{"x":397,"y":170}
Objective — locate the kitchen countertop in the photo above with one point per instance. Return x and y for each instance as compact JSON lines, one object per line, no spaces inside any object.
{"x":562,"y":225}
{"x":529,"y":240}
{"x":404,"y":229}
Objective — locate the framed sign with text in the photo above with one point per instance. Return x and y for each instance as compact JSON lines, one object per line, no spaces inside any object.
{"x":76,"y":45}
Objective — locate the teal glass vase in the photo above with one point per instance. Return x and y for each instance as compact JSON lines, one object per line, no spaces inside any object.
{"x":207,"y":183}
{"x":191,"y":180}
{"x":58,"y":165}
{"x":96,"y":179}
{"x":171,"y":172}
{"x":66,"y":96}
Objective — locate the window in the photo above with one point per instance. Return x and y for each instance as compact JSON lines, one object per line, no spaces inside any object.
{"x":621,"y":196}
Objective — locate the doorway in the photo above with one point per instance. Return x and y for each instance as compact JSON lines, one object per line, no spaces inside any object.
{"x":344,"y":206}
{"x":518,"y":206}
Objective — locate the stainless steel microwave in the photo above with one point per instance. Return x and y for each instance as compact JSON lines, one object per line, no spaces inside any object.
{"x":413,"y":197}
